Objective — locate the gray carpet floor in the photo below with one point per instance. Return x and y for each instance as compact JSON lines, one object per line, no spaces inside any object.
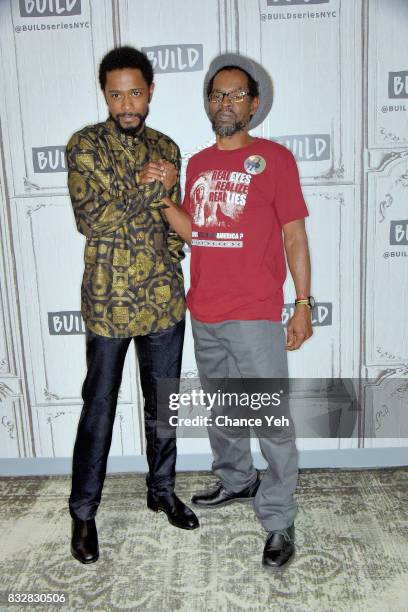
{"x":352,"y":548}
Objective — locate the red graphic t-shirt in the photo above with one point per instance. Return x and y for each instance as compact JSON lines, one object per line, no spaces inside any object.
{"x":238,"y":201}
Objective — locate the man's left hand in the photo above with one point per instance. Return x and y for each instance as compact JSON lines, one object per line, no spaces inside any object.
{"x":299,"y":328}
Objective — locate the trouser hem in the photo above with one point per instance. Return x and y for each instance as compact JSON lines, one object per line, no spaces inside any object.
{"x":276,"y":525}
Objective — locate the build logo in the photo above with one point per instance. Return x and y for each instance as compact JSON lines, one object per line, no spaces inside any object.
{"x":49,"y":159}
{"x":307,"y":147}
{"x":67,"y":323}
{"x":399,"y":232}
{"x":49,"y":8}
{"x":321,"y":314}
{"x":398,"y":84}
{"x":175,"y":58}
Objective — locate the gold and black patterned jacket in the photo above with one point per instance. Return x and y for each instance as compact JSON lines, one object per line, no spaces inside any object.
{"x":133,"y":283}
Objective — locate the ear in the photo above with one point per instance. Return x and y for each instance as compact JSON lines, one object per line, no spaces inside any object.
{"x":254,"y":105}
{"x":151,"y":90}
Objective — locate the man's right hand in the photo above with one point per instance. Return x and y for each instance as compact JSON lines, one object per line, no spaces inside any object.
{"x":162,"y":170}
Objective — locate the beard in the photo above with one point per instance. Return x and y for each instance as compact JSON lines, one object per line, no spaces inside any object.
{"x":224,"y":130}
{"x":131,"y":131}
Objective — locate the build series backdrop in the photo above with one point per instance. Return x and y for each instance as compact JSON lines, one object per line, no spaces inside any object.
{"x":340,"y":75}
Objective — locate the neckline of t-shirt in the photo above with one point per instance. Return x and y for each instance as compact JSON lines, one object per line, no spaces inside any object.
{"x":244,"y":148}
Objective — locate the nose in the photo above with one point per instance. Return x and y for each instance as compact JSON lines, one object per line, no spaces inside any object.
{"x":225,"y":100}
{"x":126,"y":103}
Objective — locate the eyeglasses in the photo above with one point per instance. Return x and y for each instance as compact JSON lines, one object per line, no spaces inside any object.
{"x":217,"y":97}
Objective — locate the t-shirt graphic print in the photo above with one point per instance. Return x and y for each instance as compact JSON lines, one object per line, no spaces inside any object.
{"x":218,"y":197}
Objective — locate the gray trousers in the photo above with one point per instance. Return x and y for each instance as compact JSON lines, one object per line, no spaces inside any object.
{"x":250,"y":349}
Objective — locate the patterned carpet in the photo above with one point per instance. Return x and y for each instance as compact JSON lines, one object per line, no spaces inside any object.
{"x":352,"y":548}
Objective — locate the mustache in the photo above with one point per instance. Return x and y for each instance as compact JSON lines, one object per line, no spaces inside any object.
{"x":135,"y":130}
{"x":223,"y":112}
{"x":139,"y":115}
{"x":228,"y":129}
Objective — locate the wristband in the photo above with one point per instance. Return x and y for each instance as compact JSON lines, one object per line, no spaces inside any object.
{"x":309,"y":302}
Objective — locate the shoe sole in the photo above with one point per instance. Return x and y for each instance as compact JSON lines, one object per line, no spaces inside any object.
{"x":240,"y":500}
{"x":279,"y":568}
{"x":172,"y":522}
{"x":85,"y":562}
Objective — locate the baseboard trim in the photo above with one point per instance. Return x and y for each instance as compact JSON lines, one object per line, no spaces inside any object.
{"x":355,"y":458}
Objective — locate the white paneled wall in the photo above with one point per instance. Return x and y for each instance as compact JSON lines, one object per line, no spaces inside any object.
{"x":340,"y":76}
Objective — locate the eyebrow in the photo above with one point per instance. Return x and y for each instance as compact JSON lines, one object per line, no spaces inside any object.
{"x":124,"y":90}
{"x":232,"y":90}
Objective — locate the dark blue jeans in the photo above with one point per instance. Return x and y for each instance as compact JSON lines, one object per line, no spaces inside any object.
{"x":159,"y":356}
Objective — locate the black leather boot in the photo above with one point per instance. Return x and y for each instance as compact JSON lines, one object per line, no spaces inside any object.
{"x":219,"y":496}
{"x":84,"y":542}
{"x":178,"y":513}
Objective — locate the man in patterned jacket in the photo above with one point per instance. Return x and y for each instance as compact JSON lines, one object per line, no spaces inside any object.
{"x":132,"y":286}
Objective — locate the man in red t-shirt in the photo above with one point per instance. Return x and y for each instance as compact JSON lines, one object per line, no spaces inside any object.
{"x":243,"y":209}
